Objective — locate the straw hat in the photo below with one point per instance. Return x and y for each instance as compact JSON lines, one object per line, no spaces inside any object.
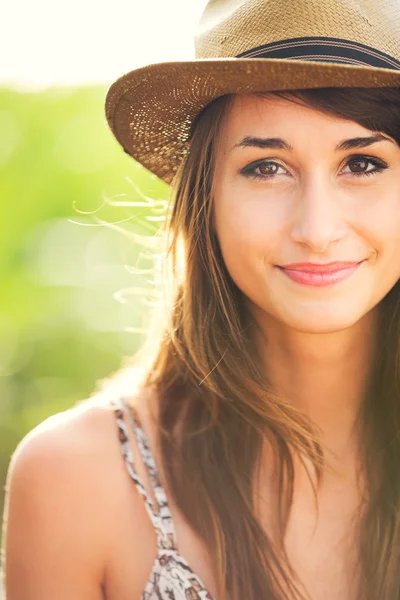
{"x":253,"y":46}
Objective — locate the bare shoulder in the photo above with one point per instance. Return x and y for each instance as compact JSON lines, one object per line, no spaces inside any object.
{"x":57,"y":505}
{"x":65,"y":444}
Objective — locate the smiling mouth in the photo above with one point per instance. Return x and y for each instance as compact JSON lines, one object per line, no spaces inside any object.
{"x":320,"y":275}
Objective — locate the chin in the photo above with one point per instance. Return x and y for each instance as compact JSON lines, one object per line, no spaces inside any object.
{"x":322,"y":321}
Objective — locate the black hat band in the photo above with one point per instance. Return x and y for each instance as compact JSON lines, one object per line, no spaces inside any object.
{"x":324,"y":49}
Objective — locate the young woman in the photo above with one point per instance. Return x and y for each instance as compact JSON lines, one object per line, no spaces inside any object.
{"x":260,"y":449}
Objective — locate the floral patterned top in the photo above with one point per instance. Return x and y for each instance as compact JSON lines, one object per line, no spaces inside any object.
{"x":171,"y":577}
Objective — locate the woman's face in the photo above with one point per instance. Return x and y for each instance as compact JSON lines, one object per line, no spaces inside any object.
{"x":305,"y":198}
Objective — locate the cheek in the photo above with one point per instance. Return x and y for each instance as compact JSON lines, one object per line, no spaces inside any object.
{"x":388,"y":252}
{"x":377,"y":227}
{"x":382,"y":227}
{"x":248,"y":235}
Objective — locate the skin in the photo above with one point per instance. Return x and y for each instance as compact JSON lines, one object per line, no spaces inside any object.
{"x":317,"y":342}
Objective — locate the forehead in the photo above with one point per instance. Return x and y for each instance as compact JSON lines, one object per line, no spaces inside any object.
{"x":290,"y":119}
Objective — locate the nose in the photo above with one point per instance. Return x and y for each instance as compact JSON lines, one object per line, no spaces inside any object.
{"x":318,"y":220}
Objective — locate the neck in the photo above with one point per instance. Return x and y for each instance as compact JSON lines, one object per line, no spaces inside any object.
{"x":324,"y":375}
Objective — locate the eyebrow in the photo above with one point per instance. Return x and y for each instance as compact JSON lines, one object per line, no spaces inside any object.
{"x":280,"y":144}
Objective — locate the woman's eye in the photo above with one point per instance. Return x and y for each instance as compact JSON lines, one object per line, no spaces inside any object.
{"x":261,"y":169}
{"x":361,"y":165}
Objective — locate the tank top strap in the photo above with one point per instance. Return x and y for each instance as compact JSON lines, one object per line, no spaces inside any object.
{"x":161,"y":518}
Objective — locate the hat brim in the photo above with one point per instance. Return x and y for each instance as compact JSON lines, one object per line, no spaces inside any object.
{"x":150,"y":110}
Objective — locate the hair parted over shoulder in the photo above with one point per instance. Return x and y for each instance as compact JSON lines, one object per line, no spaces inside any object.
{"x":217,"y":406}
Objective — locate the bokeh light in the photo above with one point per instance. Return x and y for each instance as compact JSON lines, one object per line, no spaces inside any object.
{"x":78,"y":217}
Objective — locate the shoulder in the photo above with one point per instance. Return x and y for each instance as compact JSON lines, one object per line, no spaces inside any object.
{"x":58,"y":504}
{"x":67,"y":451}
{"x":74,"y":438}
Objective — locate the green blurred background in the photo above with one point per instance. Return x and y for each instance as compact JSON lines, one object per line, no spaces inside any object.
{"x":77,"y":220}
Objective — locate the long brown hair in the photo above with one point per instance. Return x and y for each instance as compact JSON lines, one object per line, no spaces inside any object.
{"x":217,"y":407}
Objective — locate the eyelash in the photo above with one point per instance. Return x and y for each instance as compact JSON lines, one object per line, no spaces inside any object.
{"x":379,"y":165}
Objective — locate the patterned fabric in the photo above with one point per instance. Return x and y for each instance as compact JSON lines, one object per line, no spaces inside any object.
{"x":171,"y":577}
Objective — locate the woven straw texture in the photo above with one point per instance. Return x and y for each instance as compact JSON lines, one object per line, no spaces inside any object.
{"x":150,"y":110}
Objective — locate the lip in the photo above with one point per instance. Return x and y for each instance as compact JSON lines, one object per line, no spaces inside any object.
{"x":319,"y":275}
{"x":320,"y":267}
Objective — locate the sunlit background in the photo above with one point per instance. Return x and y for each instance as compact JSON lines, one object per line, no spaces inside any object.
{"x":76,"y":214}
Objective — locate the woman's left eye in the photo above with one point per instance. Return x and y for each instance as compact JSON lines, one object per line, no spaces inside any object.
{"x":363,"y":161}
{"x":268,"y":169}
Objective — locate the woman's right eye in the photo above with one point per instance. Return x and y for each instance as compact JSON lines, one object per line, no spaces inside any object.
{"x":262,"y":169}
